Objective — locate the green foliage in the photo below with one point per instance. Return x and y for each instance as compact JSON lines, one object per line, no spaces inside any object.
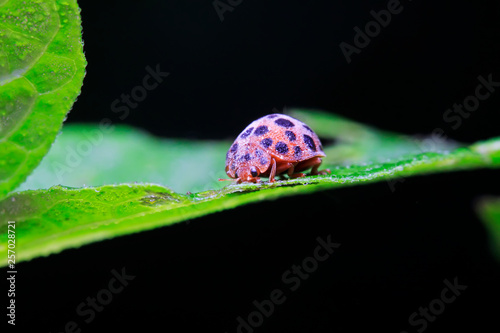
{"x":89,"y":155}
{"x":356,"y":143}
{"x":93,"y":155}
{"x":41,"y":72}
{"x":49,"y":221}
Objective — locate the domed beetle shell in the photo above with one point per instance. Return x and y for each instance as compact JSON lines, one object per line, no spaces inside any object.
{"x":272,"y":145}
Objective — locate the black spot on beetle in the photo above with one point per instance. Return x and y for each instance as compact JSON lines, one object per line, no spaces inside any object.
{"x":267,"y":142}
{"x":290,"y":135}
{"x":284,"y":123}
{"x":263,"y":160}
{"x":308,"y":128}
{"x":246,"y":157}
{"x":234,"y":148}
{"x":259,"y":153}
{"x":233,"y":166}
{"x":261,"y":130}
{"x":281,"y":148}
{"x":309,"y":142}
{"x":297,"y":152}
{"x":246,"y":133}
{"x":274,"y":115}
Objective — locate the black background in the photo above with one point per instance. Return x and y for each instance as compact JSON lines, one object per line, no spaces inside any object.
{"x":397,"y":247}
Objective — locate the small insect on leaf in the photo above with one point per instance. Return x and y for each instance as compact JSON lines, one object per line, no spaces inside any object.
{"x":273,"y":145}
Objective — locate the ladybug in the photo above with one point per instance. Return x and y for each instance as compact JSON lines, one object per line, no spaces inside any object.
{"x":272,"y":145}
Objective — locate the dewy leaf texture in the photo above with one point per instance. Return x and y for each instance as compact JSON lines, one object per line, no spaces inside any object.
{"x":41,"y":72}
{"x":51,"y":220}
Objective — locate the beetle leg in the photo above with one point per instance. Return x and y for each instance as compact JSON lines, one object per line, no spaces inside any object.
{"x":316,"y":162}
{"x":273,"y":171}
{"x":291,"y":174}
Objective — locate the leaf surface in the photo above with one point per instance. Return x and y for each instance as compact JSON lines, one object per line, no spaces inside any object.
{"x":41,"y":72}
{"x":51,"y":220}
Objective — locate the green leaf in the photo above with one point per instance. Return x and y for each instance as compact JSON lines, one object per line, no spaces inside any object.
{"x":358,"y":143}
{"x":51,"y":220}
{"x":41,"y":72}
{"x":93,"y":155}
{"x":86,"y":155}
{"x":489,"y":211}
